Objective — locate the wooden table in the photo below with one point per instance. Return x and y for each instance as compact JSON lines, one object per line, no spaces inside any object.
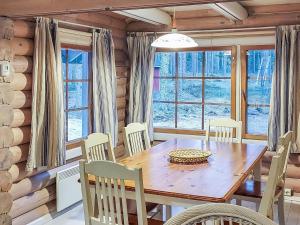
{"x":185,"y":185}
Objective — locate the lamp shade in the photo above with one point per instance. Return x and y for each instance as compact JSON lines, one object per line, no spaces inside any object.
{"x":174,"y":40}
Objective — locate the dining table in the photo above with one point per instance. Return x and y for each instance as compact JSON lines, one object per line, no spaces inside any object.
{"x":215,"y":180}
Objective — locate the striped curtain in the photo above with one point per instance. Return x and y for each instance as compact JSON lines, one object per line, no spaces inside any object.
{"x":47,"y":146}
{"x":141,"y":56}
{"x":285,"y":96}
{"x":104,"y":85}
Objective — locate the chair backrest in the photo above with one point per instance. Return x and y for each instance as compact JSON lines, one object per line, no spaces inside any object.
{"x":224,"y":128}
{"x":136,"y":138}
{"x":286,"y":142}
{"x":96,"y":146}
{"x":274,"y":180}
{"x":110,"y":191}
{"x":219,"y":213}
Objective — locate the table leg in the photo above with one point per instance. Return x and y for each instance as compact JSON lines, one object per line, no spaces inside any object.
{"x":257,"y":171}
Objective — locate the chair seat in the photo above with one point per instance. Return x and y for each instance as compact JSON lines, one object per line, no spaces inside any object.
{"x":131,"y":206}
{"x":134,"y":221}
{"x":254,"y":189}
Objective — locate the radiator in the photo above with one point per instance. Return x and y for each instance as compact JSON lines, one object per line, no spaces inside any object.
{"x":68,"y":189}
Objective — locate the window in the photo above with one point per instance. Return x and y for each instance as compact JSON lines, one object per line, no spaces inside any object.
{"x":257,"y":70}
{"x":191,"y":87}
{"x":75,"y":70}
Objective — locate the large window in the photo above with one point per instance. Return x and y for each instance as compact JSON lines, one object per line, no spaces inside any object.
{"x":75,"y":69}
{"x":257,"y":70}
{"x":192,"y":87}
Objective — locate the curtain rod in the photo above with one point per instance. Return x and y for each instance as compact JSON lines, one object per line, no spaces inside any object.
{"x":79,"y":25}
{"x":183,"y":31}
{"x":211,"y":31}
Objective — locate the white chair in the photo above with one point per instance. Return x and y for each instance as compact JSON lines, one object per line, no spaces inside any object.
{"x":109,"y":179}
{"x":219,"y":213}
{"x":224,"y":130}
{"x":97,"y":146}
{"x":267,"y":193}
{"x":136,"y":138}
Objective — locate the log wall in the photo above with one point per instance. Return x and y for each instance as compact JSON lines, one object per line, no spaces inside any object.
{"x":32,"y":194}
{"x":6,"y":135}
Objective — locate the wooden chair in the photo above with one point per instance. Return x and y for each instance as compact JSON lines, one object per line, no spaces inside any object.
{"x":219,"y":213}
{"x":224,"y":128}
{"x":136,"y":138}
{"x":270,"y":192}
{"x":111,"y":195}
{"x":97,"y":146}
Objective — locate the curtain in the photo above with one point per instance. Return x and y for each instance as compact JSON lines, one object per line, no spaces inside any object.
{"x":285,"y":95}
{"x":141,"y":56}
{"x":104,"y":85}
{"x":47,"y":146}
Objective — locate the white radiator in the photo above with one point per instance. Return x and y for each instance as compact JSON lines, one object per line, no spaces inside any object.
{"x":68,"y":189}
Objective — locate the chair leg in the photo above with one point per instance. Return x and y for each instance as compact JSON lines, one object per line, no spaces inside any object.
{"x":281,"y":209}
{"x":257,"y":206}
{"x":168,"y":212}
{"x":271,"y":213}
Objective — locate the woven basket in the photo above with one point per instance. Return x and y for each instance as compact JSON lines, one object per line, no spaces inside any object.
{"x":189,"y":156}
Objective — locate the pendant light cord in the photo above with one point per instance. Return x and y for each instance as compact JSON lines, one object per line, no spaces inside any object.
{"x":174,"y":20}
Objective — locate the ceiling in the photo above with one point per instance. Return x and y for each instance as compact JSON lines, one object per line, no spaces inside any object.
{"x":244,"y":3}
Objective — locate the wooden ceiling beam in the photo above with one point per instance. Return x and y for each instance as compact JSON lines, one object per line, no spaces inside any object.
{"x":271,"y":9}
{"x":231,"y":10}
{"x":153,"y":16}
{"x":29,"y":8}
{"x":213,"y":23}
{"x":196,"y":13}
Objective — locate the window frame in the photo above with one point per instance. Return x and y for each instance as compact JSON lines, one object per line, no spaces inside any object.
{"x":233,"y":50}
{"x":244,"y":82}
{"x":77,"y":142}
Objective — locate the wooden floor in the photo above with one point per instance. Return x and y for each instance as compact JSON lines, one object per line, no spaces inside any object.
{"x":75,"y":215}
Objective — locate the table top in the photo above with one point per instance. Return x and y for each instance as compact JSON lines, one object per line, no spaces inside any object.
{"x":213,"y":181}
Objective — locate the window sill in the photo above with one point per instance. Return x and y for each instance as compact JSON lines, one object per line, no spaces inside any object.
{"x":163,"y":134}
{"x":73,"y":153}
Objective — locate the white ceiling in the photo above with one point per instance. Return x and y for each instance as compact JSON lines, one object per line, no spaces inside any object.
{"x":245,"y":3}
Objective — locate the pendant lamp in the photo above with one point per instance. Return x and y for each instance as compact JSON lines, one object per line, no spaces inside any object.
{"x":174,"y":39}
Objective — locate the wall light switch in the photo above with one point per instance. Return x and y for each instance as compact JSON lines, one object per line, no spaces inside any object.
{"x":4,"y":68}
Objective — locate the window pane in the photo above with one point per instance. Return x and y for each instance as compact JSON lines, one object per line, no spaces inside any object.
{"x":190,"y":64}
{"x":260,"y":68}
{"x":164,"y":90}
{"x":218,"y":91}
{"x":77,"y":124}
{"x":77,"y":94}
{"x":164,"y":115}
{"x":189,"y":90}
{"x":189,"y":116}
{"x":257,"y":120}
{"x":259,"y":92}
{"x":218,"y":63}
{"x":215,"y":111}
{"x":78,"y":65}
{"x":63,"y":62}
{"x":164,"y":65}
{"x":260,"y":64}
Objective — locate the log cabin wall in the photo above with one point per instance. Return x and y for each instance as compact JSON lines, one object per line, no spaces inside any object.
{"x":32,"y":194}
{"x":6,"y":133}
